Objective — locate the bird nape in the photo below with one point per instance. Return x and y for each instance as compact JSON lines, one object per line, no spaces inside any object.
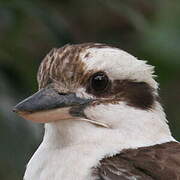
{"x":103,"y":120}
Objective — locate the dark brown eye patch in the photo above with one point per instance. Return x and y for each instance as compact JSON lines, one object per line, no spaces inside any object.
{"x":136,"y":94}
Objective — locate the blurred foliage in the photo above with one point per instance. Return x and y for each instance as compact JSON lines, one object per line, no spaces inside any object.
{"x":30,"y":28}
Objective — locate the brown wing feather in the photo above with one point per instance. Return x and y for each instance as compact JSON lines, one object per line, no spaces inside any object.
{"x":159,"y":162}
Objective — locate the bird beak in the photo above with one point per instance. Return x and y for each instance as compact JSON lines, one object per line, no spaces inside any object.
{"x":48,"y":105}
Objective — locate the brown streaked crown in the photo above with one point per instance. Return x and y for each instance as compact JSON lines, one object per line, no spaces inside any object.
{"x":64,"y":66}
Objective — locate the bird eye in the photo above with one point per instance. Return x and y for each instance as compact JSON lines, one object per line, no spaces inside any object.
{"x":99,"y":82}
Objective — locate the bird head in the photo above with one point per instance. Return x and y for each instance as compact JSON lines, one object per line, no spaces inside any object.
{"x":101,"y":85}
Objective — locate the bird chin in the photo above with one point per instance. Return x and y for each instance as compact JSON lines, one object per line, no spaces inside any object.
{"x":46,"y":116}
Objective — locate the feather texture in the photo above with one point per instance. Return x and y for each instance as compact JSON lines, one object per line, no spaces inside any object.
{"x":159,"y":162}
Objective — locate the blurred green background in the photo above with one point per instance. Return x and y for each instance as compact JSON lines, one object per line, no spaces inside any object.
{"x":29,"y":29}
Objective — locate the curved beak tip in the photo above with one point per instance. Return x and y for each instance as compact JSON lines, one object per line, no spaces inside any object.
{"x":19,"y":111}
{"x":15,"y":110}
{"x":20,"y":107}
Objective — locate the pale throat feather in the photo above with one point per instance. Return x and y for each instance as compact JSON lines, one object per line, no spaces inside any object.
{"x":84,"y":145}
{"x":133,"y":127}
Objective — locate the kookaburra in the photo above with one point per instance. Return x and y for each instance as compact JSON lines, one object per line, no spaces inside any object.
{"x":103,"y":119}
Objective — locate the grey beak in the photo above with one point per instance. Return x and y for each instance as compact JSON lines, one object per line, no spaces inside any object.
{"x":48,"y":98}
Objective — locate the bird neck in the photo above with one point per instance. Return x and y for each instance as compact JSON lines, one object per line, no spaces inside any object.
{"x":130,"y":128}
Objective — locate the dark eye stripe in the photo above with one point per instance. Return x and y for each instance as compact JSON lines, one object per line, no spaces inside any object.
{"x":136,"y":94}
